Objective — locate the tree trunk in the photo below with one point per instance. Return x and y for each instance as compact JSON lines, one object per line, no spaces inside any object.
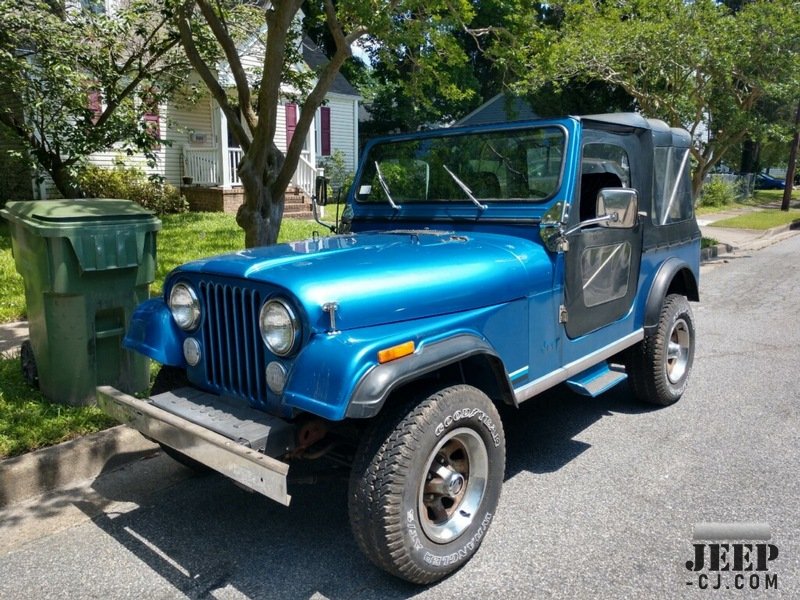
{"x":261,"y":213}
{"x":697,"y":182}
{"x":792,"y":166}
{"x":64,"y":181}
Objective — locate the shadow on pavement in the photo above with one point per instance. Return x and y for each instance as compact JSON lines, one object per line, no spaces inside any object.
{"x":206,"y":534}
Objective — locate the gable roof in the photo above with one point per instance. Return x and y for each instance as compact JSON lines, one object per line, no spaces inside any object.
{"x":316,"y":59}
{"x":500,"y":109}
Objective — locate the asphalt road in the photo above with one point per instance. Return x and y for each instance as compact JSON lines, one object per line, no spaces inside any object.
{"x":599,"y":500}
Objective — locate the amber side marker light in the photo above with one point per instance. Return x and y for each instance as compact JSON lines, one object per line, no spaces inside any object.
{"x":395,"y":352}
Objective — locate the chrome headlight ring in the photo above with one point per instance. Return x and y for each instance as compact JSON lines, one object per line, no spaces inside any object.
{"x":280,"y":327}
{"x":184,"y":306}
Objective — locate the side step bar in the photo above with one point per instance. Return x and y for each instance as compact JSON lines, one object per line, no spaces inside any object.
{"x":596,"y":380}
{"x":260,"y":473}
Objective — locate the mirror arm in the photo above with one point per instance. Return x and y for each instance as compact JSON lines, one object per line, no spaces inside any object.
{"x":613,"y":218}
{"x":322,"y":191}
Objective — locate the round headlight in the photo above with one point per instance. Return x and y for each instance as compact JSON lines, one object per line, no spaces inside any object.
{"x":279,"y":327}
{"x":185,"y":306}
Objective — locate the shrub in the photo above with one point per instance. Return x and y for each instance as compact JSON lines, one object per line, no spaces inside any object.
{"x":718,"y":192}
{"x":131,"y":183}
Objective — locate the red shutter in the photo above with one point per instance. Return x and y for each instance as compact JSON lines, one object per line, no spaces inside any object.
{"x":291,"y":122}
{"x":325,"y":130}
{"x":152,"y":125}
{"x":95,"y":105}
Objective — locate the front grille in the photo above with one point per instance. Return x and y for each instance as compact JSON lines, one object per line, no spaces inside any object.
{"x":234,"y":350}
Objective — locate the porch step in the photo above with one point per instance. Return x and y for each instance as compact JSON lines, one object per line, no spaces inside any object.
{"x":296,"y":204}
{"x":596,"y":380}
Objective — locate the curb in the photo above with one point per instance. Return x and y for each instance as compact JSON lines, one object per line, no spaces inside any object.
{"x":35,"y":473}
{"x":713,"y":252}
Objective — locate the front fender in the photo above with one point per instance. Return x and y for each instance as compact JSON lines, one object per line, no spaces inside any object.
{"x":338,"y":376}
{"x":153,"y":332}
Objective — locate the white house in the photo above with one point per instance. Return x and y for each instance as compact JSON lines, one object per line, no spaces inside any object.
{"x":201,"y":155}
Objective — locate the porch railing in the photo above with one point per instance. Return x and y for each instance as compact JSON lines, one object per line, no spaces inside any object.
{"x":202,"y":166}
{"x":234,"y":157}
{"x":304,"y":174}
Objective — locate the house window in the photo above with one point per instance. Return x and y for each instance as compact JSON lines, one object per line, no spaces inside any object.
{"x":95,"y":104}
{"x":291,"y":122}
{"x":97,"y":7}
{"x":151,"y":120}
{"x":325,"y":130}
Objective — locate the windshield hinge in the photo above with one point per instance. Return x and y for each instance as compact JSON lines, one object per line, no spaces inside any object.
{"x":562,"y":314}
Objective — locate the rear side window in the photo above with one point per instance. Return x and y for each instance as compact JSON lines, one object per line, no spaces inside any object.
{"x":672,"y":200}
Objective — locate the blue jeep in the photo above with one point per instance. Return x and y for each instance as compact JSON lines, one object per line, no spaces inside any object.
{"x":473,"y":267}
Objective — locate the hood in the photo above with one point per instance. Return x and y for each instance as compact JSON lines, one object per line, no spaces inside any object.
{"x":379,"y":278}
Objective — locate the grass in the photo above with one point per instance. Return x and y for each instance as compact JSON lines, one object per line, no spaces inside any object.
{"x":27,"y":420}
{"x":708,"y":242}
{"x":758,"y":199}
{"x":760,"y":219}
{"x":12,"y":294}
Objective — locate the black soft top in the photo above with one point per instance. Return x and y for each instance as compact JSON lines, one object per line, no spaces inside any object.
{"x":662,"y":134}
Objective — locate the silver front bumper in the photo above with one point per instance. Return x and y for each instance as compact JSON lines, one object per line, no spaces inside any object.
{"x":260,"y":473}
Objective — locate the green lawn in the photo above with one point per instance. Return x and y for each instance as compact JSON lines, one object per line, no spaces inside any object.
{"x":758,"y":199}
{"x":27,"y":420}
{"x":760,"y":219}
{"x":12,"y":295}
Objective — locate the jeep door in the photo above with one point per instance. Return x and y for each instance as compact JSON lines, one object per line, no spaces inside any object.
{"x":602,"y":263}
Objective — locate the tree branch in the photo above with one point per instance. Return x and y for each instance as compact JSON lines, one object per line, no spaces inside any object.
{"x":217,"y":91}
{"x":222,"y":35}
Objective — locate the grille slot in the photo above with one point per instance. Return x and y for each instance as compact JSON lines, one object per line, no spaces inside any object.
{"x":234,"y":352}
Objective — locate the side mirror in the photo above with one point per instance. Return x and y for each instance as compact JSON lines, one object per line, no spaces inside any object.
{"x":321,"y":190}
{"x":617,"y":207}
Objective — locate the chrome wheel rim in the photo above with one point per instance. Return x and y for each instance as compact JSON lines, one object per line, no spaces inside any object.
{"x":678,"y":346}
{"x":453,"y":485}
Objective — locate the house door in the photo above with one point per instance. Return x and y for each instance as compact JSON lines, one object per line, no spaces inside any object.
{"x":602,"y":263}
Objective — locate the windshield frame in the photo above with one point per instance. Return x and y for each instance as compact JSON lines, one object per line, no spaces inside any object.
{"x":498,"y":128}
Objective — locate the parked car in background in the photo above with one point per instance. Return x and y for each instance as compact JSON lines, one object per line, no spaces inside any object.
{"x":768,"y":182}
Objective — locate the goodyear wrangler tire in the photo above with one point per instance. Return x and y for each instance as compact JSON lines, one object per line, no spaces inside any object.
{"x":659,"y":366}
{"x":426,"y":481}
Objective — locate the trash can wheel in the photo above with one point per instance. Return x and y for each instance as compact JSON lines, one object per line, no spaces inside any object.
{"x":28,"y":364}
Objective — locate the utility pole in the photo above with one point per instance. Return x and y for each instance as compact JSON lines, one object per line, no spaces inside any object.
{"x":790,"y":171}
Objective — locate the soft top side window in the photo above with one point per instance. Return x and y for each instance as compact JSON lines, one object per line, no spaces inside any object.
{"x":603,"y":165}
{"x":672,"y":200}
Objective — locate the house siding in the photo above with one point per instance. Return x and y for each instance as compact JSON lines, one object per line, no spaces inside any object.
{"x":344,"y":128}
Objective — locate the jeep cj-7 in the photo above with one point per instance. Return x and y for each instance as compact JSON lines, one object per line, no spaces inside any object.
{"x":473,"y":267}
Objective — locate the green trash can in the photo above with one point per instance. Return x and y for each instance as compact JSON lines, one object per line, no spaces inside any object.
{"x":86,"y":265}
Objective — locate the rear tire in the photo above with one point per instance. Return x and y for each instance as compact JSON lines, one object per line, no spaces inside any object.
{"x":167,"y":379}
{"x":426,"y":482}
{"x":659,"y":366}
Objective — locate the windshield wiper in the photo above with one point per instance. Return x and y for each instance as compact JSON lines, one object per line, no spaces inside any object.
{"x":385,"y":186}
{"x":465,"y":189}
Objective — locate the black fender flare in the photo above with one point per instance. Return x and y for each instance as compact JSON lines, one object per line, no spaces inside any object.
{"x":667,"y":273}
{"x":379,"y":382}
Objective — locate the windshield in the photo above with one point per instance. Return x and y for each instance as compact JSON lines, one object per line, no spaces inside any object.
{"x":520,"y":165}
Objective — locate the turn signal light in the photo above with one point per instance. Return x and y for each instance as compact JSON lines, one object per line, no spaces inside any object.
{"x":395,"y":352}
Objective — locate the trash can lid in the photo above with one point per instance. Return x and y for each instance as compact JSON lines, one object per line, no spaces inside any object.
{"x":81,"y":210}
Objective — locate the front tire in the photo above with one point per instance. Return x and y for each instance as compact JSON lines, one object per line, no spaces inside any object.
{"x":426,"y":481}
{"x":659,"y":366}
